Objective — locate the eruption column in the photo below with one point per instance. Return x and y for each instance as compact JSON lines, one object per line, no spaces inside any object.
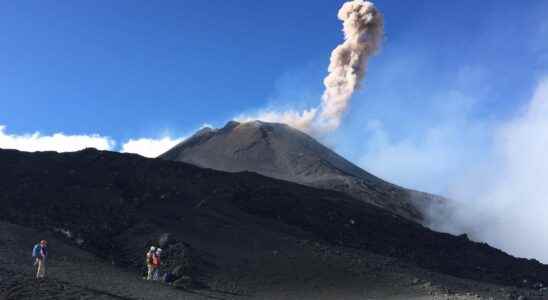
{"x":363,"y":32}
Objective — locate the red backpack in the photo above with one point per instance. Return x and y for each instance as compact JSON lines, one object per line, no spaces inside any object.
{"x":155,"y":260}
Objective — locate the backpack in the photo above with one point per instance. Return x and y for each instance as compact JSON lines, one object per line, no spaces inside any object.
{"x":156,"y":260}
{"x":36,"y":251}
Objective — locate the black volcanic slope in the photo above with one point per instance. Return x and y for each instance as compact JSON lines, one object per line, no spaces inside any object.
{"x":280,"y":151}
{"x":112,"y":204}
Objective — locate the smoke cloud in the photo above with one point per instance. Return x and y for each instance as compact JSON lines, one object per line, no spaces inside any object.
{"x":363,"y":33}
{"x":300,"y":120}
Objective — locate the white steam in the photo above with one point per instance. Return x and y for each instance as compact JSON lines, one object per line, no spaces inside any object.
{"x":363,"y":32}
{"x":505,"y":201}
{"x":300,"y":120}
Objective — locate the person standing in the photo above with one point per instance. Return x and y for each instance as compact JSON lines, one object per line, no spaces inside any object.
{"x":150,"y":262}
{"x":157,"y":262}
{"x":40,"y":254}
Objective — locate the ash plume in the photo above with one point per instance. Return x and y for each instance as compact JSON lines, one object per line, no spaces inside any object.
{"x":363,"y":33}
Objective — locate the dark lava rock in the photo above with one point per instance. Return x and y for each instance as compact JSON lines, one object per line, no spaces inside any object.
{"x":117,"y":204}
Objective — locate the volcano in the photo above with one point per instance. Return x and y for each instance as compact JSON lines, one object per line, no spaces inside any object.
{"x":282,"y":152}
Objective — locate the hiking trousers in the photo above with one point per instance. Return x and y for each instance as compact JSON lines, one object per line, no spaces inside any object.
{"x":156,"y":274}
{"x":150,"y":272}
{"x":41,"y":269}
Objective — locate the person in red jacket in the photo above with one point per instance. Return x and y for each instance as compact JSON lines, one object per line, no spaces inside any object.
{"x":156,"y":262}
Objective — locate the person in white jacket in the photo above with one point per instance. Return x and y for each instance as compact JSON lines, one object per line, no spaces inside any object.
{"x":150,"y":262}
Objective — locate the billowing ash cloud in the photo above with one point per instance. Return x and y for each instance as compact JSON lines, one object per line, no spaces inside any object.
{"x":363,"y":33}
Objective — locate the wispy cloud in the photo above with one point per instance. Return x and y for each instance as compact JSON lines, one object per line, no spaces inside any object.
{"x":149,"y":147}
{"x":59,"y":142}
{"x":299,"y":120}
{"x":154,"y":147}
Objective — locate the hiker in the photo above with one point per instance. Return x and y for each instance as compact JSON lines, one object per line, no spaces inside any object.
{"x":40,"y":253}
{"x":150,"y":262}
{"x":156,"y":262}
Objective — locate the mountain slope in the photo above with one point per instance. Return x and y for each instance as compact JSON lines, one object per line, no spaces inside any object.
{"x":114,"y":205}
{"x":279,"y":151}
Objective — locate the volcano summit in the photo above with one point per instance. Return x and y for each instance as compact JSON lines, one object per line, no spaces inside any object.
{"x":279,"y":151}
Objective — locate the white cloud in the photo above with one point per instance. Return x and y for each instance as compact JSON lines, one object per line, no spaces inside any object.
{"x":59,"y":142}
{"x":154,"y":147}
{"x":149,"y":147}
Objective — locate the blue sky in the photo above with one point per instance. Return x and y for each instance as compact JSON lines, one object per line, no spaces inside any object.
{"x":135,"y":69}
